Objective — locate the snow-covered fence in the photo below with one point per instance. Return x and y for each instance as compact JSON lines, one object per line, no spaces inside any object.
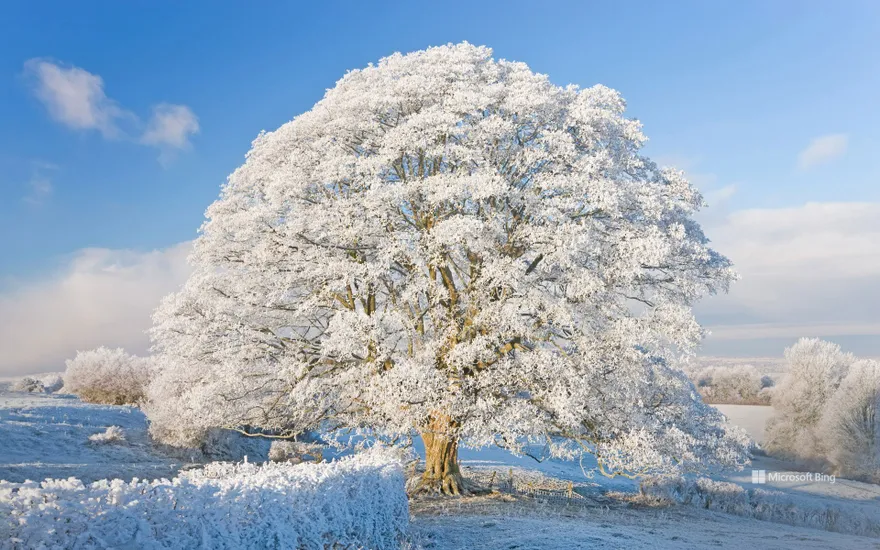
{"x":767,"y":505}
{"x":356,"y":502}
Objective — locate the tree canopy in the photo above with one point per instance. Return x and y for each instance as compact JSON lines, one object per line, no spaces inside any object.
{"x":451,"y":244}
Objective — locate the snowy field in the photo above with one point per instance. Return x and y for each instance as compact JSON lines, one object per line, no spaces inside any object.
{"x":48,"y":436}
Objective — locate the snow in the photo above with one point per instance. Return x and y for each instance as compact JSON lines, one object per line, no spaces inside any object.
{"x":49,"y":436}
{"x":513,"y":525}
{"x":358,"y":501}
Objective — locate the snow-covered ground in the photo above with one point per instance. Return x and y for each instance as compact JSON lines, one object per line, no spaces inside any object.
{"x":470,"y":525}
{"x":48,"y":436}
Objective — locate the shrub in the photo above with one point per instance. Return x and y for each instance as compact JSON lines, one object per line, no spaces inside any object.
{"x":27,"y":384}
{"x":295,"y":451}
{"x":108,"y":376}
{"x":740,"y":384}
{"x":356,"y":502}
{"x":850,"y":424}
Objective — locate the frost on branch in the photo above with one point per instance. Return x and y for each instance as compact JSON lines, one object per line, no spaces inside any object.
{"x":451,"y":244}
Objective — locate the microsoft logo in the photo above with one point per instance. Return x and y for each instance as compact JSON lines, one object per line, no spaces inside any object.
{"x":759,"y":476}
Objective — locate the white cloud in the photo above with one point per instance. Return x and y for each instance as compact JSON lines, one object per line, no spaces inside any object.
{"x":100,"y":297}
{"x":171,"y":126}
{"x":811,"y":270}
{"x":40,"y":187}
{"x":75,"y":97}
{"x":39,"y":190}
{"x":823,"y":149}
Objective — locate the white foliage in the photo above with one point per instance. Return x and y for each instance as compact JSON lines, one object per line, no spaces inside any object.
{"x":28,"y":384}
{"x":850,"y":424}
{"x":52,"y":383}
{"x":295,"y":451}
{"x":815,"y":371}
{"x":113,"y":434}
{"x":768,"y":505}
{"x":356,"y":502}
{"x":447,"y":235}
{"x":109,"y":376}
{"x":738,"y":384}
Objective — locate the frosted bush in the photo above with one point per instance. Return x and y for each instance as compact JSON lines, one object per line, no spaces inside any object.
{"x":52,"y":383}
{"x":850,"y":425}
{"x":356,"y":502}
{"x":767,"y":505}
{"x":740,"y":384}
{"x":27,"y":384}
{"x":113,"y":434}
{"x":815,"y":371}
{"x":295,"y":451}
{"x":108,"y":376}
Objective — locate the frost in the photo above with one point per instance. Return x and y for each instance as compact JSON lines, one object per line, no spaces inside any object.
{"x":767,"y":505}
{"x":108,"y":376}
{"x":355,"y":502}
{"x":450,"y":244}
{"x":113,"y":434}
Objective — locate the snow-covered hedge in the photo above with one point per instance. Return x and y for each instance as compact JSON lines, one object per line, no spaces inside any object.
{"x":107,"y":376}
{"x":830,"y":515}
{"x":356,"y":502}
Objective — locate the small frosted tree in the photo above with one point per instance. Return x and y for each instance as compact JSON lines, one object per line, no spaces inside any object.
{"x":850,"y":425}
{"x":815,"y":371}
{"x":109,"y":376}
{"x":451,"y":244}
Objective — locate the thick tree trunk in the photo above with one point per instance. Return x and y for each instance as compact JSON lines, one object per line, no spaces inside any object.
{"x":442,"y":473}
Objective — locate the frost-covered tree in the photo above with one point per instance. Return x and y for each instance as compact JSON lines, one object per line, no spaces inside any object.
{"x":109,"y":376}
{"x":815,"y":371}
{"x":850,"y":424}
{"x":451,"y":244}
{"x":735,"y":384}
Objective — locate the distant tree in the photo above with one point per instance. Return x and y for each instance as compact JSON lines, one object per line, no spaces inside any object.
{"x":736,"y":384}
{"x":450,"y":244}
{"x":815,"y":371}
{"x":850,"y":424}
{"x":108,"y":376}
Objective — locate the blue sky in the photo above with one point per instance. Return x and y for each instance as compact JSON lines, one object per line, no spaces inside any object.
{"x":735,"y":93}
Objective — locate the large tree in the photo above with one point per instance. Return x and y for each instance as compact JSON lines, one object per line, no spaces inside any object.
{"x":451,"y":244}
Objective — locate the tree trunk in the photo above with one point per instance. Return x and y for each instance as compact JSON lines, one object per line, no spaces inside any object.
{"x":442,"y":473}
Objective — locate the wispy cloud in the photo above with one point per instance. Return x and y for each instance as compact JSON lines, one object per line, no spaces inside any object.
{"x":170,"y":128}
{"x":76,"y":98}
{"x":39,"y":190}
{"x":40,"y":187}
{"x":823,"y":149}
